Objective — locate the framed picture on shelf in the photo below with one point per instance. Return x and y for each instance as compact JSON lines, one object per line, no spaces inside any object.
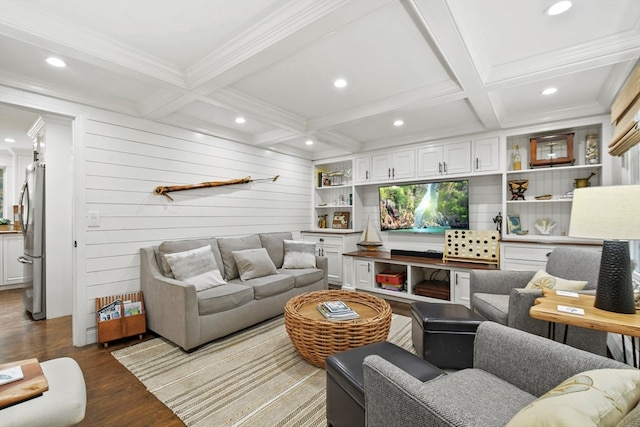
{"x":513,"y":223}
{"x":341,"y":220}
{"x":551,"y":150}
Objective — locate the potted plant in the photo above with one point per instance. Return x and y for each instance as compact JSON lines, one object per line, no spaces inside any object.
{"x":5,"y":224}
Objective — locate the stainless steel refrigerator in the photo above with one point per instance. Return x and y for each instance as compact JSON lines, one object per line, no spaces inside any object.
{"x":32,"y":211}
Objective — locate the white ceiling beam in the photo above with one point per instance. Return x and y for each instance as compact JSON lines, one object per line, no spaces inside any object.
{"x":434,"y":21}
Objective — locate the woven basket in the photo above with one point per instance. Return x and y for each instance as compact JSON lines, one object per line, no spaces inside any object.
{"x":316,"y":338}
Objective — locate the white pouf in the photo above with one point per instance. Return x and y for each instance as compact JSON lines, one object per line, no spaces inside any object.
{"x":62,"y":405}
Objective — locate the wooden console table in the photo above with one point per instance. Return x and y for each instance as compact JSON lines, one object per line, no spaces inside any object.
{"x":546,"y":308}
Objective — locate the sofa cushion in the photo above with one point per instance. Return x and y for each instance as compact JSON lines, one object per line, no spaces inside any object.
{"x":273,"y":243}
{"x":196,"y":266}
{"x":491,"y":306}
{"x":542,"y":279}
{"x":299,"y":254}
{"x":174,"y":246}
{"x":474,"y":397}
{"x":229,"y":244}
{"x":303,"y":276}
{"x":253,"y":263}
{"x":222,"y":298}
{"x":600,"y":397}
{"x":267,"y":286}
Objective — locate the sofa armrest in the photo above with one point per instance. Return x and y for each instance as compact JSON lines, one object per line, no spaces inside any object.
{"x":520,"y":302}
{"x":498,"y":281}
{"x":530,"y":362}
{"x":322,"y":263}
{"x":394,"y":397}
{"x":171,"y":305}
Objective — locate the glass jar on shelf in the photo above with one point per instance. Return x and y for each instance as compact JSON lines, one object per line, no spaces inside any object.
{"x":592,"y":154}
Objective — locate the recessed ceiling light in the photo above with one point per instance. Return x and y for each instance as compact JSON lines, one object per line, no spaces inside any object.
{"x":56,"y":62}
{"x":240,"y":120}
{"x":9,"y":140}
{"x":549,"y":91}
{"x":558,"y":8}
{"x":308,"y":142}
{"x":340,"y":83}
{"x":398,"y":123}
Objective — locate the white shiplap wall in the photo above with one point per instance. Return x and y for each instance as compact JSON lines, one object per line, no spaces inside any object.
{"x":125,"y":159}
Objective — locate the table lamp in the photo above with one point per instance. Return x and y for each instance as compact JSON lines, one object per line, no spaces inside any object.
{"x":612,"y":214}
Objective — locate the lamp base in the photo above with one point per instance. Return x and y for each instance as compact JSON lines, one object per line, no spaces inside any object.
{"x":615,"y":291}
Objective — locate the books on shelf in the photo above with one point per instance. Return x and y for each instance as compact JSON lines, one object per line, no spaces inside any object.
{"x":337,"y":310}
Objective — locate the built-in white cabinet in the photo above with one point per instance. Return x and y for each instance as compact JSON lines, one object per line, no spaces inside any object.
{"x":549,"y":189}
{"x":525,"y":256}
{"x":444,"y":159}
{"x":394,"y":166}
{"x":332,"y":246}
{"x":362,"y":169}
{"x":486,"y":155}
{"x":11,"y":271}
{"x":336,"y":202}
{"x":425,"y":279}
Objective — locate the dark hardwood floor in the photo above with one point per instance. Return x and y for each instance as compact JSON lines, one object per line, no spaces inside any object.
{"x":114,"y":396}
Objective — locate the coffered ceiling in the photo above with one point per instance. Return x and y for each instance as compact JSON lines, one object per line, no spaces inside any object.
{"x":446,"y":68}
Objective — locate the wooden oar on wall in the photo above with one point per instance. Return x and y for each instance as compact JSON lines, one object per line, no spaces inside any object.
{"x":163,"y":190}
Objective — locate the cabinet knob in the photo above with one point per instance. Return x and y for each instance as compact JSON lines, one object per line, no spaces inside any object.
{"x":389,"y":172}
{"x":366,"y":174}
{"x":322,"y":239}
{"x":477,"y":163}
{"x":445,"y":166}
{"x":439,"y":167}
{"x":393,"y":172}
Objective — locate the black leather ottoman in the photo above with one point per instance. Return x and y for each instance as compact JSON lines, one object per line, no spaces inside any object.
{"x":345,"y":379}
{"x":443,"y":334}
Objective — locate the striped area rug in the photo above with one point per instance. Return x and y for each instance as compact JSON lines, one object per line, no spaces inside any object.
{"x":252,"y":378}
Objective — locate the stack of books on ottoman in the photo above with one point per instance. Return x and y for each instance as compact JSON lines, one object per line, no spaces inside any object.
{"x":337,"y":310}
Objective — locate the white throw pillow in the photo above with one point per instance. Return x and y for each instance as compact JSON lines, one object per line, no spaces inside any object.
{"x":299,"y":254}
{"x":542,"y":279}
{"x":253,"y":263}
{"x":197,"y":266}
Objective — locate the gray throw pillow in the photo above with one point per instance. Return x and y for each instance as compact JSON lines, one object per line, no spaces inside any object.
{"x":196,"y":266}
{"x":253,"y":263}
{"x":299,"y":254}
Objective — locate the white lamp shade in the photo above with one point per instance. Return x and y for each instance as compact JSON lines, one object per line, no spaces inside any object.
{"x":609,"y":213}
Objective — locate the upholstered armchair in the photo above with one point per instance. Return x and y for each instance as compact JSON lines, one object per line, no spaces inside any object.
{"x":499,"y":296}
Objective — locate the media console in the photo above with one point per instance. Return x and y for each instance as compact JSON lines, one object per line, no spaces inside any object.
{"x":426,"y":278}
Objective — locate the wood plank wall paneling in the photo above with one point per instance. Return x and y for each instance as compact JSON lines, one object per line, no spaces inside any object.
{"x":125,"y":161}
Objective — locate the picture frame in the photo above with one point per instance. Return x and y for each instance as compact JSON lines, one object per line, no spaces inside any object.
{"x":513,"y":223}
{"x":340,"y":220}
{"x":550,"y":150}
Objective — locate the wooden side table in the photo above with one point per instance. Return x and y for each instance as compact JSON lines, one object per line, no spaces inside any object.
{"x":546,"y":308}
{"x":33,"y":384}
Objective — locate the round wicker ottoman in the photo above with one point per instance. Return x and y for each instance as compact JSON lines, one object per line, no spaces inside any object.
{"x":317,"y":338}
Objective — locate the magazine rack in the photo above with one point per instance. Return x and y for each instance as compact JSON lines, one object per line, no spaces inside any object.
{"x":124,"y":326}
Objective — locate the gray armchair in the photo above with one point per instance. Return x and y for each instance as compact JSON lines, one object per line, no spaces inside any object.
{"x":511,"y":369}
{"x":500,"y":296}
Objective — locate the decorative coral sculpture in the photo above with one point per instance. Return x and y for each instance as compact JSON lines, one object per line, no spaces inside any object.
{"x":545,"y":225}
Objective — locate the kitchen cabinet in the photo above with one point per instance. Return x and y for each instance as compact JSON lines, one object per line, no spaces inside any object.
{"x":444,"y":159}
{"x":11,"y":271}
{"x":362,"y":169}
{"x":394,"y":166}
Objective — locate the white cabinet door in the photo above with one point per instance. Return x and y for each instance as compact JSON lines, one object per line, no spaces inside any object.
{"x":460,"y":282}
{"x":334,"y":261}
{"x":430,"y":161}
{"x":362,"y":167}
{"x":364,"y":274}
{"x":444,"y":159}
{"x":381,"y":167}
{"x":393,"y":166}
{"x":12,"y":248}
{"x":404,"y":164}
{"x":486,"y":154}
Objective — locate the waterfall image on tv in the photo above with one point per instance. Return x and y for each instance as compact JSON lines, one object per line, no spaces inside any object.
{"x":430,"y":207}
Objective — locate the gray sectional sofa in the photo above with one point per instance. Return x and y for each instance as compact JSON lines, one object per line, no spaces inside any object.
{"x":189,"y":317}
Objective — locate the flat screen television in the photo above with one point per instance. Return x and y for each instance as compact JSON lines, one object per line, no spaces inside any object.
{"x":428,"y":207}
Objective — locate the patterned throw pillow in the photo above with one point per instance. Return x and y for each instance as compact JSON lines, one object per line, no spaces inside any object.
{"x":196,"y":266}
{"x":299,"y":254}
{"x":542,"y":279}
{"x":600,"y":397}
{"x":254,"y":263}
